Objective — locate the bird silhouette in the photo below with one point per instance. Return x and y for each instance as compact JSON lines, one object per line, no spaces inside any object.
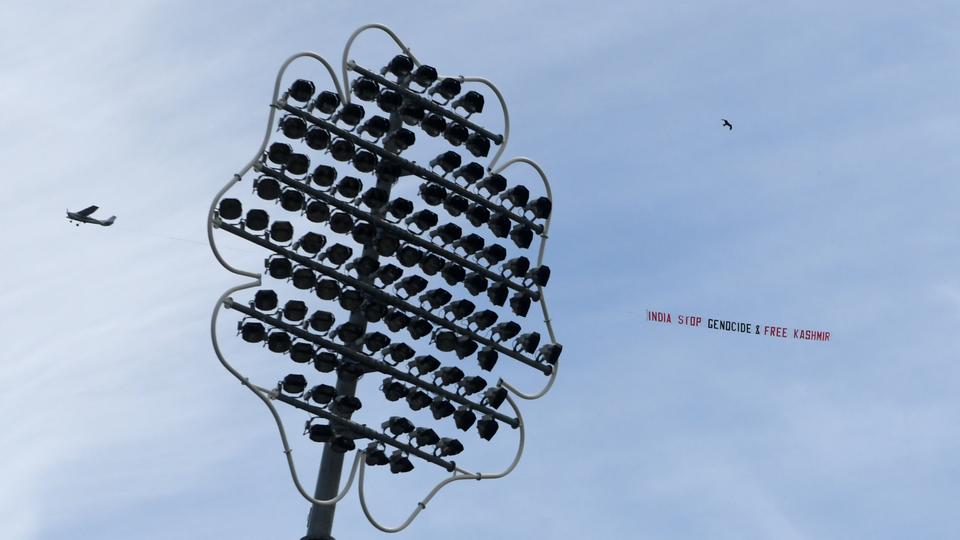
{"x":727,"y":124}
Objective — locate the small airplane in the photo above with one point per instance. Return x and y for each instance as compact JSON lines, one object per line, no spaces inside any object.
{"x":83,"y":216}
{"x":727,"y":124}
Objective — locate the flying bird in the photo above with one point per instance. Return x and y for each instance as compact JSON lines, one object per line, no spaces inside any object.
{"x":727,"y":124}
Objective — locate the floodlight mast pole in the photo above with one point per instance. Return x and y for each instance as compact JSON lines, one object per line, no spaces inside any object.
{"x":320,"y":518}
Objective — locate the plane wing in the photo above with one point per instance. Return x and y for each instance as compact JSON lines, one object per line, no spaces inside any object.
{"x":88,"y":210}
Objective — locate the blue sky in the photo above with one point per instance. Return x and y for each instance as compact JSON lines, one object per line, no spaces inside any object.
{"x":831,"y":205}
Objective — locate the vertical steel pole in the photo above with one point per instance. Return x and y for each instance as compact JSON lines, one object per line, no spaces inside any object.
{"x":320,"y":518}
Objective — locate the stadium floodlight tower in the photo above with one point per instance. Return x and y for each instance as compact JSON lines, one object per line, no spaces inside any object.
{"x":362,"y":282}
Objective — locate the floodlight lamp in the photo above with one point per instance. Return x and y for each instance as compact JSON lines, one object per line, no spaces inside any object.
{"x":478,"y":145}
{"x":492,"y":254}
{"x":327,"y":102}
{"x":447,"y":88}
{"x":294,"y":384}
{"x":400,"y":66}
{"x":444,"y":340}
{"x":472,"y":384}
{"x":312,"y":242}
{"x":293,"y":127}
{"x":279,"y":267}
{"x":520,"y":304}
{"x":447,"y":233}
{"x":412,"y":114}
{"x":321,"y":321}
{"x":527,"y":342}
{"x":393,"y":391}
{"x":433,"y":125}
{"x":505,"y":330}
{"x":327,"y":289}
{"x":456,"y":134}
{"x":482,"y":320}
{"x":431,"y":264}
{"x":435,"y":298}
{"x":540,"y":207}
{"x":453,"y":273}
{"x":351,"y":299}
{"x":517,"y":195}
{"x":349,"y":332}
{"x":252,"y":332}
{"x":337,"y":254}
{"x":517,"y":266}
{"x":301,"y":90}
{"x":320,"y":433}
{"x":424,"y":437}
{"x":424,"y":364}
{"x":418,"y":399}
{"x":499,"y":225}
{"x":478,"y":214}
{"x":229,"y":209}
{"x":267,"y":188}
{"x":351,"y":114}
{"x":550,"y":353}
{"x":397,"y":425}
{"x":475,"y":283}
{"x":374,"y":455}
{"x":487,"y":358}
{"x":464,"y":418}
{"x":449,"y":447}
{"x":322,"y":394}
{"x":465,"y":347}
{"x":317,"y":138}
{"x":432,"y":194}
{"x":459,"y":309}
{"x":386,"y":244}
{"x":448,"y":161}
{"x":365,"y":89}
{"x":377,"y":126}
{"x":424,"y":75}
{"x":539,"y":276}
{"x":364,"y":161}
{"x":522,"y":236}
{"x":375,"y":341}
{"x":301,"y":352}
{"x":470,"y":243}
{"x":399,"y":208}
{"x":375,"y":198}
{"x":265,"y":300}
{"x":487,"y":427}
{"x":342,"y":445}
{"x":324,"y":175}
{"x":295,"y":310}
{"x":325,"y":362}
{"x":303,"y":278}
{"x":373,"y":311}
{"x":398,"y":352}
{"x":298,"y":164}
{"x":396,"y":320}
{"x":292,"y":200}
{"x":441,"y":408}
{"x":363,"y":265}
{"x":399,"y":140}
{"x":279,"y":153}
{"x":278,"y":341}
{"x":342,"y":150}
{"x":472,"y":102}
{"x":388,"y":273}
{"x":399,"y":463}
{"x":456,"y":205}
{"x":346,"y":405}
{"x":422,"y":220}
{"x":349,"y":187}
{"x":495,"y":183}
{"x":389,"y":101}
{"x":341,"y":223}
{"x":411,"y":285}
{"x":449,"y":375}
{"x":419,"y":327}
{"x":350,"y":370}
{"x":470,"y":173}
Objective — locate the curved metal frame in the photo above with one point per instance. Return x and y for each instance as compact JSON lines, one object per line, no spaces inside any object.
{"x":266,"y":395}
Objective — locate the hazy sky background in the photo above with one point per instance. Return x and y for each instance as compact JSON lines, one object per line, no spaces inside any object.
{"x":831,"y":205}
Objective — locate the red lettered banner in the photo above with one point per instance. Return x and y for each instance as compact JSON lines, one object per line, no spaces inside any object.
{"x":756,"y":329}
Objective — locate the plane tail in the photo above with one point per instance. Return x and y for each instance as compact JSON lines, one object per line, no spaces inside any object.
{"x":109,"y":221}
